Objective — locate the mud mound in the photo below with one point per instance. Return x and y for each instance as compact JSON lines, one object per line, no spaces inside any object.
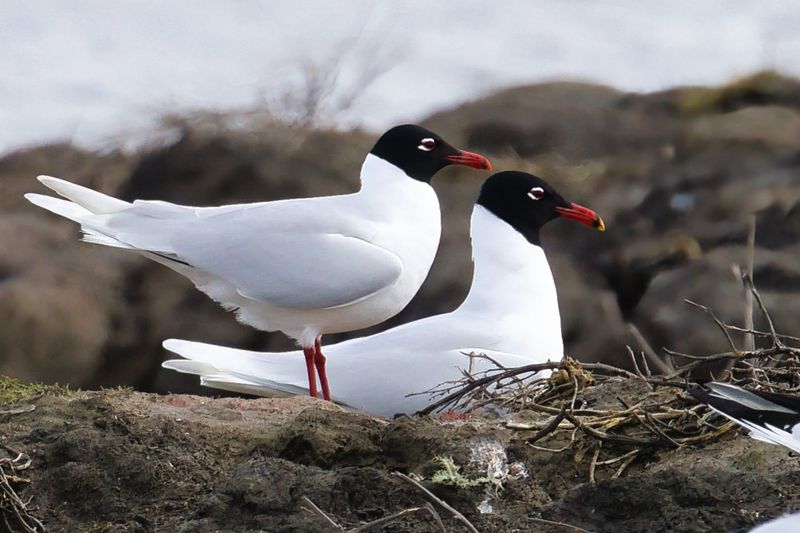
{"x":125,"y":461}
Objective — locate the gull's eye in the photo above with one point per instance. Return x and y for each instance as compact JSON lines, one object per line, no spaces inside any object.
{"x":537,"y":193}
{"x":427,"y":144}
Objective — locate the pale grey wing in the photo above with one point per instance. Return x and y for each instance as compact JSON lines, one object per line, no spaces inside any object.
{"x":295,"y":269}
{"x":292,"y":253}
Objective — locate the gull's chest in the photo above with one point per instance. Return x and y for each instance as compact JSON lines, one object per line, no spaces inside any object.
{"x":411,"y":228}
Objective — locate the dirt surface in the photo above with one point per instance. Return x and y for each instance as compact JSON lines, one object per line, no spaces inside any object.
{"x":119,"y":460}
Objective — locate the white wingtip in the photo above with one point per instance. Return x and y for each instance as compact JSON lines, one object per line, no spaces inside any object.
{"x":94,"y":201}
{"x":58,"y":206}
{"x":174,"y":345}
{"x":187,"y":366}
{"x":48,"y":179}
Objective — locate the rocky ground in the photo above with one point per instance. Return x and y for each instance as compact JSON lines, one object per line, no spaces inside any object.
{"x":120,"y":460}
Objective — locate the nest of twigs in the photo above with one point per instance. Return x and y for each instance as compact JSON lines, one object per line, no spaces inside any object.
{"x":14,"y":511}
{"x":614,"y":415}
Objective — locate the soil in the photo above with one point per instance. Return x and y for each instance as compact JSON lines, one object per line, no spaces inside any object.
{"x":118,"y":460}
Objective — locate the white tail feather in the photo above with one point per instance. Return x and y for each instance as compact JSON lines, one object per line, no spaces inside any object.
{"x":95,"y":237}
{"x":260,"y":374}
{"x":60,"y":207}
{"x":96,"y":202}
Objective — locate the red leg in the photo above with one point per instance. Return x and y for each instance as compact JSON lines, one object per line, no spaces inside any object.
{"x":310,"y":353}
{"x":319,"y":361}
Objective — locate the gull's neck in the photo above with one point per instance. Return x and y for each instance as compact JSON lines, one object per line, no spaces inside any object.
{"x":379,"y":175}
{"x":511,"y":275}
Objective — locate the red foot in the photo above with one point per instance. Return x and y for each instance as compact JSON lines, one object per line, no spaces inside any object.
{"x":319,"y":361}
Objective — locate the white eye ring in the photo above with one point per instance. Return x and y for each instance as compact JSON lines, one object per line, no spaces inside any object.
{"x":537,"y":193}
{"x":427,"y":144}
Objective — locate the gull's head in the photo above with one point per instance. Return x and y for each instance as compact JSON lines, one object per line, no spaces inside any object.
{"x":527,"y":203}
{"x":421,"y":153}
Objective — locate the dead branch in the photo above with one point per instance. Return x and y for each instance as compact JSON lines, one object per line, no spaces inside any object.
{"x":15,"y":511}
{"x":561,"y":524}
{"x":307,"y":504}
{"x":431,"y":497}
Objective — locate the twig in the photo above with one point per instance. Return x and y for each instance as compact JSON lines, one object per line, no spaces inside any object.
{"x":776,"y":340}
{"x":435,"y":516}
{"x":457,"y":391}
{"x":625,"y":465}
{"x":379,"y":521}
{"x":634,"y":363}
{"x":618,"y":459}
{"x":747,"y":282}
{"x":311,"y":506}
{"x":648,"y":350}
{"x":431,"y":497}
{"x":550,"y":427}
{"x":562,"y":524}
{"x":720,"y":324}
{"x":557,"y":450}
{"x":11,"y":505}
{"x":593,"y":463}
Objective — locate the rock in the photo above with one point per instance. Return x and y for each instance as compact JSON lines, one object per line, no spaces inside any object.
{"x":773,"y":126}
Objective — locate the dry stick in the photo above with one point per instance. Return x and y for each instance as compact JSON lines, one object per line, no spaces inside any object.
{"x":562,"y":524}
{"x":436,"y":516}
{"x":307,"y":504}
{"x":750,"y":339}
{"x":647,"y":367}
{"x":655,"y":429}
{"x":781,"y":350}
{"x":618,"y":459}
{"x":593,"y":463}
{"x":9,"y":497}
{"x":759,"y":333}
{"x":431,"y":497}
{"x":648,"y":350}
{"x":379,"y":521}
{"x":557,"y":450}
{"x":607,"y":436}
{"x":634,"y":363}
{"x":311,"y":506}
{"x":625,"y":465}
{"x":462,"y":389}
{"x":776,"y":341}
{"x":550,"y":427}
{"x":720,"y":324}
{"x":476,"y":383}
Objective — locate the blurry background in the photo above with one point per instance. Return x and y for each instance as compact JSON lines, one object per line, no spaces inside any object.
{"x":676,"y":121}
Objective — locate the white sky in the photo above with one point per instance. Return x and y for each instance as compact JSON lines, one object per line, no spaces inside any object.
{"x":99,"y":72}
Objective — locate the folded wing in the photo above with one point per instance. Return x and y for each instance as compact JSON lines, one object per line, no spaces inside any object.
{"x":303,"y":254}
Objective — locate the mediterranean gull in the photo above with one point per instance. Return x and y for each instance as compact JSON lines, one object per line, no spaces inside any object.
{"x":510,"y":314}
{"x":306,"y":266}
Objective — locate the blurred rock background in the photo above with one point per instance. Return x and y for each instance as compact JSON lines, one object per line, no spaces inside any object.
{"x":676,"y":175}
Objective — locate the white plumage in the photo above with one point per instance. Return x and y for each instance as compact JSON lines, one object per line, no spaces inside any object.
{"x":511,"y":314}
{"x":276,"y":262}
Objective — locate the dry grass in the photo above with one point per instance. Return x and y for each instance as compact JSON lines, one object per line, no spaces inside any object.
{"x":13,"y":391}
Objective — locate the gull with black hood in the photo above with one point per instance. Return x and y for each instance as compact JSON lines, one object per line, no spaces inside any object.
{"x":511,"y":313}
{"x":307,"y":266}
